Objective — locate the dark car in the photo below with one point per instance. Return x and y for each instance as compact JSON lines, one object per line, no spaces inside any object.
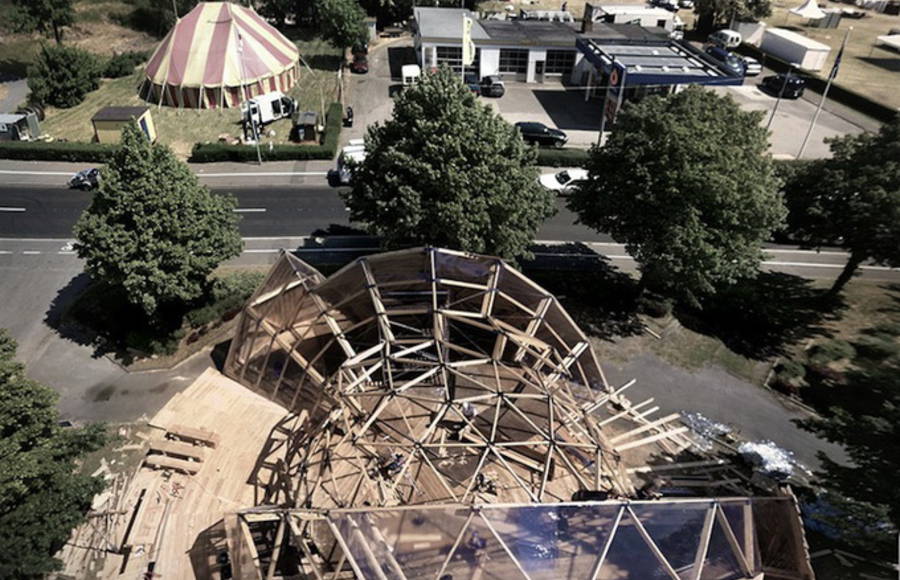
{"x":471,"y":80}
{"x":730,"y":61}
{"x":788,"y":86}
{"x":492,"y":86}
{"x":360,"y":64}
{"x":85,"y":180}
{"x":541,"y":134}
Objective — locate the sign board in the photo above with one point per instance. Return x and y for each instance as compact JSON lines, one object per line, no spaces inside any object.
{"x":615,"y":91}
{"x":468,"y":47}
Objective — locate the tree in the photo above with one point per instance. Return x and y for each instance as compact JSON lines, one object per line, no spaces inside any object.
{"x":686,"y":183}
{"x":851,"y":200}
{"x":712,"y":14}
{"x":62,"y":75}
{"x":864,"y":417}
{"x":447,"y":171}
{"x":152,"y":230}
{"x":44,"y":16}
{"x":42,"y":498}
{"x":342,"y":22}
{"x":277,"y":10}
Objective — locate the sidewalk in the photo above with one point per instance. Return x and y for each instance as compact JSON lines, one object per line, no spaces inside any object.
{"x":15,"y":172}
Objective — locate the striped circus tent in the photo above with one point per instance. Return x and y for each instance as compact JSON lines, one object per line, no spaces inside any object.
{"x":216,"y":52}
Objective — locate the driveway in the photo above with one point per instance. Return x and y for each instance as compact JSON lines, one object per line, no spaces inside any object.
{"x":792,"y":120}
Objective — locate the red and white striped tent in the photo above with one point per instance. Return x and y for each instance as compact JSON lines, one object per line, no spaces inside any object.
{"x":216,"y":52}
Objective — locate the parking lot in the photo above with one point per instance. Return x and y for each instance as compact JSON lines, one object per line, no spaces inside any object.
{"x":564,"y":107}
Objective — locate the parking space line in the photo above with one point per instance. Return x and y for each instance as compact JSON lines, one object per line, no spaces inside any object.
{"x":12,"y":209}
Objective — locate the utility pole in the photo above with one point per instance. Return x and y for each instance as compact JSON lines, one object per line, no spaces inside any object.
{"x":831,"y":75}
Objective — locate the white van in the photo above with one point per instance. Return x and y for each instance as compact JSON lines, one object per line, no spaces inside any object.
{"x":410,"y":74}
{"x":725,"y":38}
{"x":269,"y":107}
{"x":353,"y":154}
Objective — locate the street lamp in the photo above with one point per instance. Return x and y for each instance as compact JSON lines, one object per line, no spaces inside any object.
{"x":793,"y":65}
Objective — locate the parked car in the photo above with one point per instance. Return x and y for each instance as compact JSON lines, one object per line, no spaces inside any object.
{"x":86,"y":179}
{"x":686,"y":4}
{"x":564,"y":181}
{"x":788,"y":86}
{"x":492,"y":86}
{"x":471,"y":80}
{"x":351,"y":156}
{"x":360,"y":64}
{"x":725,"y":38}
{"x":727,"y":59}
{"x":540,"y":134}
{"x":671,"y":5}
{"x":752,"y":67}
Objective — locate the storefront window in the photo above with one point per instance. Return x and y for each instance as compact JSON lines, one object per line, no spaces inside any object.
{"x":560,"y":61}
{"x":452,"y":57}
{"x":513,"y":60}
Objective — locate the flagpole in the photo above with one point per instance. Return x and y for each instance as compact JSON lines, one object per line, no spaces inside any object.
{"x":834,"y":70}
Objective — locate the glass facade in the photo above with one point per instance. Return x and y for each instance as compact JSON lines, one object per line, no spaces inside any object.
{"x":513,"y":60}
{"x":560,"y":62}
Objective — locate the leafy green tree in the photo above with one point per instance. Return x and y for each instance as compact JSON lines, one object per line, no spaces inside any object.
{"x":864,"y":417}
{"x":42,"y":498}
{"x":686,"y":184}
{"x":851,"y":200}
{"x":152,"y":229}
{"x":277,"y":10}
{"x":449,"y":172}
{"x":713,"y":14}
{"x":62,"y":75}
{"x":342,"y":22}
{"x":43,"y":16}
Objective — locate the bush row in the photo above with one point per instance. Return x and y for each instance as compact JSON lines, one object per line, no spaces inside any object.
{"x":56,"y":151}
{"x":562,"y":157}
{"x":838,"y":92}
{"x":213,"y":152}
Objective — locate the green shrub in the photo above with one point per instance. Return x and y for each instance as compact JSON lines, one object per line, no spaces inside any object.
{"x":226,"y":295}
{"x":122,"y":64}
{"x":562,"y":157}
{"x":654,"y":305}
{"x":56,"y":151}
{"x":790,"y":369}
{"x":214,"y":152}
{"x":887,"y":328}
{"x":829,"y":351}
{"x":62,"y":75}
{"x":877,"y":347}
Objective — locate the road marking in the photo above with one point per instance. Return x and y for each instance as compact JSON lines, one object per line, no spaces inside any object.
{"x":250,"y":210}
{"x":17,"y":209}
{"x":264,"y":251}
{"x":66,"y":253}
{"x":266,"y":174}
{"x":822,"y":253}
{"x":4,"y":252}
{"x":834,"y":266}
{"x":31,"y":252}
{"x":17,"y":172}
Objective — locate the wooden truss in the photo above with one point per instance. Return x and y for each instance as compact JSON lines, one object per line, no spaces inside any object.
{"x":686,"y":539}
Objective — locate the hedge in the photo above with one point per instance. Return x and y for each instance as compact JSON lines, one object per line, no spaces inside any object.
{"x":56,"y":151}
{"x":213,"y":152}
{"x":839,"y":93}
{"x":562,"y":157}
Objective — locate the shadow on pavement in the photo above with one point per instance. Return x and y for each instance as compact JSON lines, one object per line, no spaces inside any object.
{"x":569,"y":111}
{"x":760,"y":318}
{"x":399,"y":56}
{"x":599,"y":297}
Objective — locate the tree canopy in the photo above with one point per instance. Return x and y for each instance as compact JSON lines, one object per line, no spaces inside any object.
{"x":62,"y":75}
{"x":43,"y":16}
{"x":342,"y":22}
{"x":42,"y":498}
{"x":152,"y":229}
{"x":686,"y":184}
{"x":712,"y":14}
{"x":445,"y":170}
{"x":851,"y":200}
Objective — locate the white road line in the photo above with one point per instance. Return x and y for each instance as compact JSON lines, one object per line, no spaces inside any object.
{"x":786,"y":251}
{"x":5,"y":252}
{"x":250,"y":210}
{"x":264,"y":251}
{"x":16,"y":209}
{"x":31,"y":252}
{"x":833,"y":266}
{"x":266,"y":174}
{"x":17,"y":172}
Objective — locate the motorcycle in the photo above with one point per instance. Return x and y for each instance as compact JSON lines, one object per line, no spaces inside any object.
{"x":85,"y":180}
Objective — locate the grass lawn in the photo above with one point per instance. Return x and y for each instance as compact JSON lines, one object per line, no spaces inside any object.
{"x":181,"y":128}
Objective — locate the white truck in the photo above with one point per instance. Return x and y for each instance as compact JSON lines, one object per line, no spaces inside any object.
{"x":789,"y":46}
{"x":646,"y":16}
{"x":267,"y":108}
{"x":353,"y":154}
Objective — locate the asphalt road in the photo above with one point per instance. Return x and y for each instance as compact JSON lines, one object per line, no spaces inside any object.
{"x":42,"y":211}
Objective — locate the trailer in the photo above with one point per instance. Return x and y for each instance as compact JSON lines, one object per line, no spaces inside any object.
{"x":791,"y":47}
{"x":646,"y":16}
{"x":23,"y":126}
